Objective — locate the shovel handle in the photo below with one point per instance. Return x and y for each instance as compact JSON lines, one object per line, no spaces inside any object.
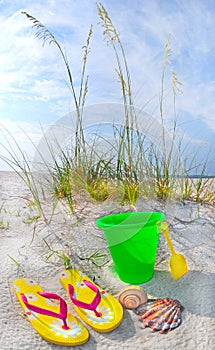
{"x":164,"y":230}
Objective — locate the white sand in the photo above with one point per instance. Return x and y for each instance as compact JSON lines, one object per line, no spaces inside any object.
{"x":195,"y":290}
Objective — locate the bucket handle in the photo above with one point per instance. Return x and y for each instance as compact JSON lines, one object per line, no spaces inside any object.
{"x":162,"y":226}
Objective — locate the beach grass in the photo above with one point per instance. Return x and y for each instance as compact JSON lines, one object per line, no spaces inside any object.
{"x":133,"y":167}
{"x":130,"y":166}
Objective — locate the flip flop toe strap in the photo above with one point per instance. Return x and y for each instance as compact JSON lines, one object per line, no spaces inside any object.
{"x":62,"y":315}
{"x":89,"y":306}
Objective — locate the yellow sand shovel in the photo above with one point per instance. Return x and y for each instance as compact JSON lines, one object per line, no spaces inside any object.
{"x":178,"y":265}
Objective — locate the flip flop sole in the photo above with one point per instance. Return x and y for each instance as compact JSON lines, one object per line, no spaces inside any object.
{"x":111,"y":309}
{"x":49,"y":328}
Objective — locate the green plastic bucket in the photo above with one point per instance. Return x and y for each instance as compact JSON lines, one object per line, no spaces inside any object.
{"x":132,"y":240}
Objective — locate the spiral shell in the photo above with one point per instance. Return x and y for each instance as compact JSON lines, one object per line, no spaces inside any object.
{"x":131,"y":297}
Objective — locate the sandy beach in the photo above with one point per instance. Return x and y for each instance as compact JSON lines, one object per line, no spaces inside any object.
{"x":23,"y":253}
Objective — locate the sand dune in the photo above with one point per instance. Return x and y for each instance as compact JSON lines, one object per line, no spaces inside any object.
{"x":192,"y":229}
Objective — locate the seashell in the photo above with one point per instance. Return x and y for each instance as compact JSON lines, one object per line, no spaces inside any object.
{"x":162,"y":314}
{"x":131,"y":297}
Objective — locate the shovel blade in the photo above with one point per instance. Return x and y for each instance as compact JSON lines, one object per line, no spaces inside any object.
{"x":178,"y":266}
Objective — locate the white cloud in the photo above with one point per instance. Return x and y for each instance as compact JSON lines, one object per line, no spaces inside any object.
{"x":30,"y":72}
{"x":22,"y":57}
{"x":199,"y":100}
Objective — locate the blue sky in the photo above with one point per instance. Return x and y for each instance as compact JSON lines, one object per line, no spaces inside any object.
{"x":33,"y":91}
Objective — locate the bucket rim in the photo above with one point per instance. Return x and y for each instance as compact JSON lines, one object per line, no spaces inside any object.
{"x":158,"y":217}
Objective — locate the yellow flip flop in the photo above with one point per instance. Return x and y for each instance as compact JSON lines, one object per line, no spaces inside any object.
{"x":42,"y":310}
{"x":100,"y":310}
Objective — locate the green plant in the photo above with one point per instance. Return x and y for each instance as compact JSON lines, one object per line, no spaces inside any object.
{"x":186,"y":188}
{"x":97,"y":178}
{"x":4,"y":225}
{"x":77,"y":158}
{"x":208,"y":195}
{"x":131,"y":192}
{"x":132,"y":157}
{"x":132,"y":165}
{"x":196,"y":185}
{"x":60,"y":254}
{"x":128,"y":135}
{"x":14,"y":260}
{"x":98,"y":190}
{"x":31,"y":219}
{"x":168,"y":167}
{"x":203,"y":187}
{"x":62,"y":185}
{"x":42,"y":32}
{"x":201,"y":184}
{"x":23,"y":169}
{"x":21,"y":269}
{"x":99,"y":258}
